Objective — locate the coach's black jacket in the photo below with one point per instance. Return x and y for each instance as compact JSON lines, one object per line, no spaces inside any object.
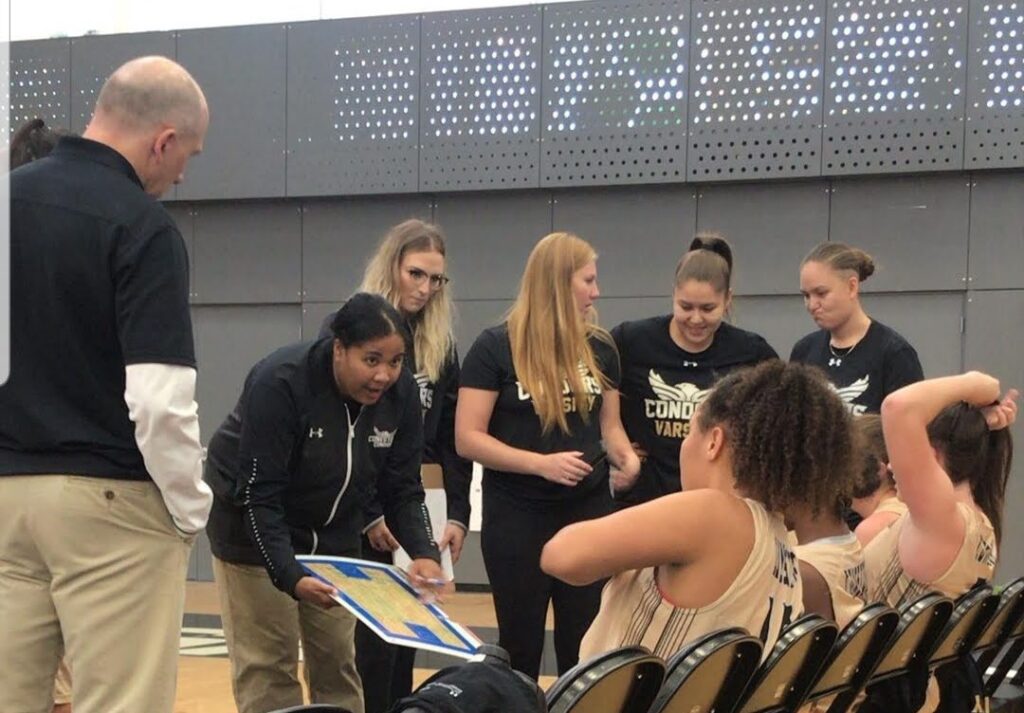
{"x":291,"y":467}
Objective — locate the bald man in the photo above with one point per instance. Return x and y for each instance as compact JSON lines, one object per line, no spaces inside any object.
{"x":100,"y":462}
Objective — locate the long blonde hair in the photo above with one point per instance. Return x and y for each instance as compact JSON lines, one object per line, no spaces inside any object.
{"x":432,"y":326}
{"x":548,"y":335}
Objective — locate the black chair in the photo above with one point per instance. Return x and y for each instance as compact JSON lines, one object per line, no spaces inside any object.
{"x":970,"y":616}
{"x":919,"y":627}
{"x":625,"y":680}
{"x":857,"y":651}
{"x":791,"y":668}
{"x":709,"y":674}
{"x":1009,"y":642}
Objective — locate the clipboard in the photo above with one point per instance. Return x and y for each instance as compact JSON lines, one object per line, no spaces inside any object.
{"x":380,"y":596}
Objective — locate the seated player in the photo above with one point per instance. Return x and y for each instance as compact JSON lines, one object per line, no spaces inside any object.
{"x":716,"y":555}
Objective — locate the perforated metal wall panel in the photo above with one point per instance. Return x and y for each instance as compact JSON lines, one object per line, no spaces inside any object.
{"x":40,"y":82}
{"x":615,"y":79}
{"x":353,"y":106}
{"x":894,"y":94}
{"x":242,"y":73}
{"x":95,"y":57}
{"x":755,"y":89}
{"x":480,"y":99}
{"x":995,"y":86}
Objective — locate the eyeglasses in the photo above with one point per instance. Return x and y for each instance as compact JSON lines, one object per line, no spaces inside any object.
{"x":418,"y":276}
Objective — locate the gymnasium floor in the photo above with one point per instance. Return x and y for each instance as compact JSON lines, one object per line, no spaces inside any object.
{"x":204,"y":683}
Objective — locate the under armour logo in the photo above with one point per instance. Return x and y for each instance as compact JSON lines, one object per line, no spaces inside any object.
{"x":316,"y":433}
{"x":835,"y":362}
{"x":689,"y":363}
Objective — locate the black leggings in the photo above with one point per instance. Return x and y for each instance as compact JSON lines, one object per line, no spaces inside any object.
{"x":514,"y":533}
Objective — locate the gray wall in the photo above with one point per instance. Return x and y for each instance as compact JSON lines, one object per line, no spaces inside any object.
{"x":949,"y":249}
{"x":896,"y":126}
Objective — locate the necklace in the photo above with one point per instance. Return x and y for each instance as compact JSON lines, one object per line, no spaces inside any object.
{"x":837,"y":357}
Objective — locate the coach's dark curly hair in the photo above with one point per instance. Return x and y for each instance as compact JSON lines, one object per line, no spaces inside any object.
{"x":973,"y":453}
{"x":789,"y":435}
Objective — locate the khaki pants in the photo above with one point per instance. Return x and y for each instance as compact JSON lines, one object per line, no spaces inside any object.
{"x":262,"y":627}
{"x":62,"y":684}
{"x":95,"y":563}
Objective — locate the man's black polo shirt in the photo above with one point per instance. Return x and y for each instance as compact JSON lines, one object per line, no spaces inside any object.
{"x":99,"y":279}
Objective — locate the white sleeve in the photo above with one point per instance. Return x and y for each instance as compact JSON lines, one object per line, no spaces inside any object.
{"x":161,"y":403}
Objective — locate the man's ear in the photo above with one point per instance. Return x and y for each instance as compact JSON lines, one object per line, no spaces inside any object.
{"x":164,"y":140}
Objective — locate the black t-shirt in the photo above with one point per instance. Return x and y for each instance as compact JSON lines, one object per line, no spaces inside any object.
{"x":662,"y":385}
{"x":488,"y":366}
{"x":864,"y":374}
{"x":99,"y":279}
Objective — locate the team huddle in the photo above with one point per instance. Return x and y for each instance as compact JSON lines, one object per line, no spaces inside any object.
{"x":652,"y":483}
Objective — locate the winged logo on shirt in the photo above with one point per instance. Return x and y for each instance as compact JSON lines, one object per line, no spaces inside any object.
{"x":674,"y":406}
{"x":680,"y":392}
{"x":851,"y":393}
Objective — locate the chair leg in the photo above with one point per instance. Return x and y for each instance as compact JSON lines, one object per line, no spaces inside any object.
{"x":1010,"y":655}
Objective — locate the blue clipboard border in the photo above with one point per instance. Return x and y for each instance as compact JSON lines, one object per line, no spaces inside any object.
{"x":470,"y":643}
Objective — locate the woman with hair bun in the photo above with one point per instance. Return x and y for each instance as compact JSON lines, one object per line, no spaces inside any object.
{"x":864,"y":359}
{"x":670,"y":361}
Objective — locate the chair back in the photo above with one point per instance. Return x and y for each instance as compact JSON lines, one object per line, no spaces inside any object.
{"x":1008,"y":615}
{"x":791,"y":668}
{"x":625,"y":680}
{"x":971,"y":614}
{"x":921,"y":623}
{"x":710,"y":674}
{"x":857,"y":651}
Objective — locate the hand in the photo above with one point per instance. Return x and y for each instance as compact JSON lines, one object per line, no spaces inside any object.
{"x":1003,"y":414}
{"x":454,"y":537}
{"x":315,"y":591}
{"x":565,"y":468}
{"x":984,"y":389}
{"x":624,"y":475}
{"x":640,"y":451}
{"x":381,"y":539}
{"x":427,"y":578}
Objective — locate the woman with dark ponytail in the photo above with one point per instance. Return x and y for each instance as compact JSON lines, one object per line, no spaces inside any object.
{"x":950,"y":452}
{"x":669,"y":362}
{"x":864,"y":359}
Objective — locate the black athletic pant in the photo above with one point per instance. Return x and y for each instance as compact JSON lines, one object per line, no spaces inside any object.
{"x":514,"y":533}
{"x":386,"y":670}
